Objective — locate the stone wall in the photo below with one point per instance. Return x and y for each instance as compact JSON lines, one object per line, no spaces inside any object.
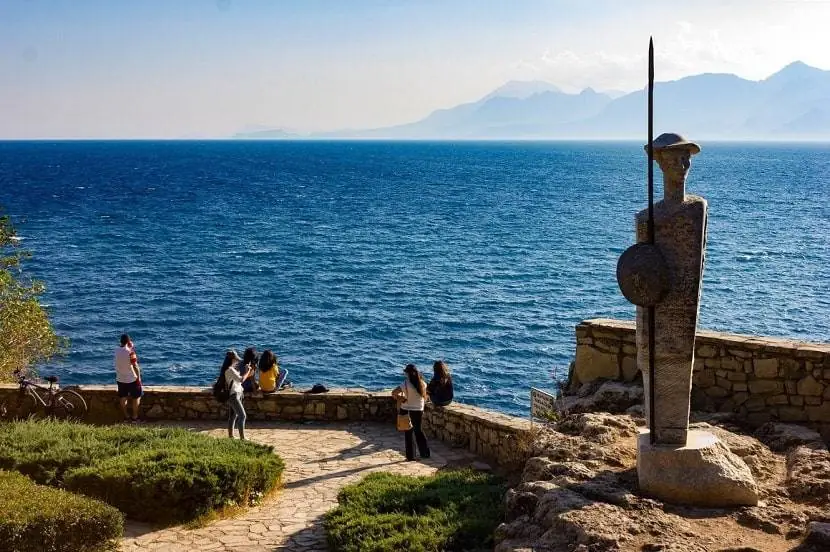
{"x":760,"y":379}
{"x":494,"y":436}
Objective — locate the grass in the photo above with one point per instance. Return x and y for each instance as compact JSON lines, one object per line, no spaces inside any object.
{"x":162,"y":475}
{"x":452,"y":511}
{"x":34,"y":518}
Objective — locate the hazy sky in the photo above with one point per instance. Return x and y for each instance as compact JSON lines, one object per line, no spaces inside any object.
{"x":193,"y":68}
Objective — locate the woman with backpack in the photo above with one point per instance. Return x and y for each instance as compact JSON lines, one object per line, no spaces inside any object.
{"x":235,"y":370}
{"x":412,"y":395}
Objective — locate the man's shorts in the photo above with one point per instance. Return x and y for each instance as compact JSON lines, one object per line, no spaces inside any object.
{"x":132,"y":390}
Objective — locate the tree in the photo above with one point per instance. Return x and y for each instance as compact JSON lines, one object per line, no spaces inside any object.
{"x":27,"y":337}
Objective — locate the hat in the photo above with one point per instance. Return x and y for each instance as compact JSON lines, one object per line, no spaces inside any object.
{"x":670,"y":140}
{"x":318,"y":388}
{"x":234,"y":354}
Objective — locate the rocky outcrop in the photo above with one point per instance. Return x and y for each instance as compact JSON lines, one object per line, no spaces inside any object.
{"x":579,"y":492}
{"x":603,"y":396}
{"x":783,"y":437}
{"x":808,"y":474}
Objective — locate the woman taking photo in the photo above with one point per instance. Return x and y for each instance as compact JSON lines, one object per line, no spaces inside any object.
{"x":411,"y":394}
{"x":235,"y":371}
{"x":440,"y":386}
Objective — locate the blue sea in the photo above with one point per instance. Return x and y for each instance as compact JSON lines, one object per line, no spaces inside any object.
{"x":350,"y":259}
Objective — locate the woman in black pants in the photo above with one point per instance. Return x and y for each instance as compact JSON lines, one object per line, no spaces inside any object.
{"x":412,"y":394}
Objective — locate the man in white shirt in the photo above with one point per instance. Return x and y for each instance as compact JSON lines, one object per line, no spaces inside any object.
{"x":128,"y":378}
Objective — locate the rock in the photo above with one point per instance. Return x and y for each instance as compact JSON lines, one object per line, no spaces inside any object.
{"x":610,"y":396}
{"x":783,"y":437}
{"x":808,"y":474}
{"x":818,"y":533}
{"x":544,"y":469}
{"x":703,"y":473}
{"x":599,"y":428}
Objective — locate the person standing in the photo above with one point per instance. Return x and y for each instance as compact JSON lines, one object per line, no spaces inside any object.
{"x":128,"y":378}
{"x":234,"y":375}
{"x":412,"y":394}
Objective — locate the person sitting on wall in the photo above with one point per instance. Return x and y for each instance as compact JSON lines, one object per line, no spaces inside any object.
{"x":250,"y":385}
{"x":440,"y":386}
{"x":271,"y":376}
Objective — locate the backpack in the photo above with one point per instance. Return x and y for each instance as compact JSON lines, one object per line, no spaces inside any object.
{"x":220,"y":389}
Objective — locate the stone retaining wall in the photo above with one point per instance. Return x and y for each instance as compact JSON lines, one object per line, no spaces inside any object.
{"x":494,"y":436}
{"x":760,"y":379}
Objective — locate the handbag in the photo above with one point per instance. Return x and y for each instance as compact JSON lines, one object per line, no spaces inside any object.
{"x":403,"y":423}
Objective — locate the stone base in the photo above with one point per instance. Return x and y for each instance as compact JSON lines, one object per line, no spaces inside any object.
{"x":702,"y":473}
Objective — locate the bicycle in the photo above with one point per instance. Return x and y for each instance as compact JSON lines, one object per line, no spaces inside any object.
{"x":65,"y":404}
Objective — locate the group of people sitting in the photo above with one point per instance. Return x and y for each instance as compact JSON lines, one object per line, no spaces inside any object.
{"x":263,"y":371}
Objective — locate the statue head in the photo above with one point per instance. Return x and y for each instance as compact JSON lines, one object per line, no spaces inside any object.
{"x":674,"y":153}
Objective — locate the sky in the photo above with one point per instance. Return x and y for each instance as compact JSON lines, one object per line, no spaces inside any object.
{"x":211,"y":68}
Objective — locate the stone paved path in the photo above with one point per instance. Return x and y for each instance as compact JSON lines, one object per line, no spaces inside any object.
{"x":320,"y":459}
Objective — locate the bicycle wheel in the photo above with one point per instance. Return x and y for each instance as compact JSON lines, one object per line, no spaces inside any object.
{"x":20,"y":407}
{"x":68,"y":405}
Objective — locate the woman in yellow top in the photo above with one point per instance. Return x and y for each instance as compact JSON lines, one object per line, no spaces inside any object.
{"x":270,"y":375}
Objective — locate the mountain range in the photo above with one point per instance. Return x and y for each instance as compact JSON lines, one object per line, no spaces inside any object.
{"x":792,"y":104}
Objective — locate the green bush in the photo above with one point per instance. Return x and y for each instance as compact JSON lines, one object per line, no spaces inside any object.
{"x":452,"y":510}
{"x":34,"y":518}
{"x":160,"y":475}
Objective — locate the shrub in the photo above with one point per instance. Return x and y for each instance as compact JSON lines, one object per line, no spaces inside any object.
{"x":452,"y":510}
{"x":34,"y":518}
{"x":181,"y":480}
{"x":160,"y":475}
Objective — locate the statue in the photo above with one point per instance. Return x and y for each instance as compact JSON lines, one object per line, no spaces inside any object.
{"x":680,"y":237}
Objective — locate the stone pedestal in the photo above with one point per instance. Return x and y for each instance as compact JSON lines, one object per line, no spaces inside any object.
{"x":704,"y":472}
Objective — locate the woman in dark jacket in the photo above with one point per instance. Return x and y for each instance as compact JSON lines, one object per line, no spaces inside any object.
{"x":440,"y":386}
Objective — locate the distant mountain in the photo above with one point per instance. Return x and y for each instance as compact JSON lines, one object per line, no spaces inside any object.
{"x":268,"y":134}
{"x":793,"y":103}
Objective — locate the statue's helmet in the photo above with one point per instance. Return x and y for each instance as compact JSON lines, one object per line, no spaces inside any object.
{"x":672,"y":141}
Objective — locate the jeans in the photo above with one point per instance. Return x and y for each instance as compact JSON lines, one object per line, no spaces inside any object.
{"x":236,"y":415}
{"x":281,"y":378}
{"x":416,"y":416}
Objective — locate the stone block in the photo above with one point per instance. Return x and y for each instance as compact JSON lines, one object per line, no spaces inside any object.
{"x":698,"y":365}
{"x":716,"y":392}
{"x":740,"y":398}
{"x":755,"y":404}
{"x":739,"y":353}
{"x":704,"y":379}
{"x":629,"y":368}
{"x":740,"y":386}
{"x":808,"y":386}
{"x":791,"y":387}
{"x":765,"y":367}
{"x":813,"y":401}
{"x":791,"y":368}
{"x":819,"y":413}
{"x":730,"y":363}
{"x":712,"y":363}
{"x":592,"y":364}
{"x":629,"y":349}
{"x":766,"y":387}
{"x":795,"y":400}
{"x":737,"y":376}
{"x":702,"y":473}
{"x":778,"y":400}
{"x":706,"y":351}
{"x":792,"y":414}
{"x":725,"y":383}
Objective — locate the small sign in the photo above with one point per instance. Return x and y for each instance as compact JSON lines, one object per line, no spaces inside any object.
{"x":541,"y":404}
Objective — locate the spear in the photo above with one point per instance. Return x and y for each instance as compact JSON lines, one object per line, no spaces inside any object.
{"x":651,"y":324}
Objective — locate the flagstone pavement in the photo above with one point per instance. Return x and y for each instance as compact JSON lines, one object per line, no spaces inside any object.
{"x":320,"y":458}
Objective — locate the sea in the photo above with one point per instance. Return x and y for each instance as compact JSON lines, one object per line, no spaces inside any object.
{"x":351,"y":259}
